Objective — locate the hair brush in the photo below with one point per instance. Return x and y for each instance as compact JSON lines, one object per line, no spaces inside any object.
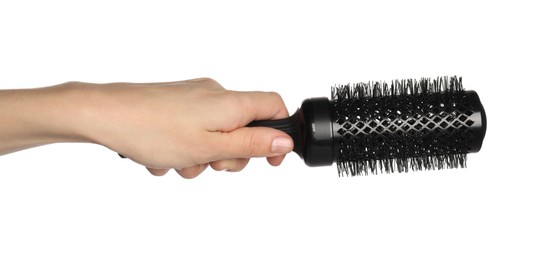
{"x":374,"y":127}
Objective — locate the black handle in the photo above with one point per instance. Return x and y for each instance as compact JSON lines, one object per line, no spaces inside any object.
{"x":291,"y":126}
{"x":311,"y":129}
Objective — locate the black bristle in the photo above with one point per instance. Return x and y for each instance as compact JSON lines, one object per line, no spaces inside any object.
{"x":407,"y":125}
{"x":433,"y":162}
{"x":397,"y":87}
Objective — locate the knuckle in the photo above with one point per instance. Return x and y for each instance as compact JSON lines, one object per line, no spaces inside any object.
{"x":240,"y":164}
{"x":71,"y":83}
{"x":275,"y":95}
{"x":188,"y":175}
{"x":208,"y":81}
{"x":245,"y":146}
{"x":249,"y":145}
{"x":218,"y":166}
{"x":279,"y":104}
{"x":192,"y":172}
{"x":277,"y":98}
{"x":68,"y":84}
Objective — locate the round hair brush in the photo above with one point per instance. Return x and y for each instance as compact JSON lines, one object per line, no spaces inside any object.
{"x":375,"y":127}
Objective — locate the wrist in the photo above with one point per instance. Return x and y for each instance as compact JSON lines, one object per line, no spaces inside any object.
{"x":34,"y":117}
{"x":70,"y":108}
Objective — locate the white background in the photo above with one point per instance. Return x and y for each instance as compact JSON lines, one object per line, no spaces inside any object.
{"x":80,"y":201}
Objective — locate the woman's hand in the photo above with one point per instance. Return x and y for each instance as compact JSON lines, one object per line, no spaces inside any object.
{"x":186,"y":125}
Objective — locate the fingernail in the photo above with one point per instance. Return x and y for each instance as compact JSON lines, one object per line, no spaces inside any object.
{"x":282,"y":145}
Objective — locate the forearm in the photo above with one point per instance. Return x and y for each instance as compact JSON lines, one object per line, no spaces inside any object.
{"x":34,"y":117}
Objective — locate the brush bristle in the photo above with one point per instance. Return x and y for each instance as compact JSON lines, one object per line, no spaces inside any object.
{"x":398,"y":87}
{"x":433,"y":162}
{"x":408,"y":125}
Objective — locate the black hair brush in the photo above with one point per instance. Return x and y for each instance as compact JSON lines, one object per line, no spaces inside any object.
{"x":375,"y":127}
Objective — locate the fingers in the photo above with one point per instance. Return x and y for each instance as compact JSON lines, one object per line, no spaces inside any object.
{"x":250,"y":142}
{"x":262,"y":106}
{"x":187,"y":173}
{"x":231,"y":165}
{"x":157,"y":172}
{"x":192,"y":172}
{"x":261,"y":142}
{"x":276,"y":160}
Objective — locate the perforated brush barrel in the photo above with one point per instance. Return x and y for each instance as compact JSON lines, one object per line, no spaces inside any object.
{"x":426,"y":131}
{"x":375,"y":127}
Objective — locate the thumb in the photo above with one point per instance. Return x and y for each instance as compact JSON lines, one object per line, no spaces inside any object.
{"x":247,"y":142}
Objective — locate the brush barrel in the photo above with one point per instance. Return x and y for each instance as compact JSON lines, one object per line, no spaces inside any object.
{"x":401,"y":132}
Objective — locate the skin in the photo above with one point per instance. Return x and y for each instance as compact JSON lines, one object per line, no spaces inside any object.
{"x":185,"y":125}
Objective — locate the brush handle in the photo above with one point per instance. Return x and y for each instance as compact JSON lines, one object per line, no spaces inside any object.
{"x":311,"y":129}
{"x":291,"y":126}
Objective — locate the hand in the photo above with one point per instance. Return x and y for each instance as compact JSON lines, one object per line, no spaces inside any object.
{"x":185,"y":125}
